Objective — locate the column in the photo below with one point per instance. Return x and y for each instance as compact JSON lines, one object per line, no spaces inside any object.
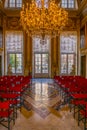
{"x":28,"y":55}
{"x":78,"y":69}
{"x":4,"y":29}
{"x":58,"y":55}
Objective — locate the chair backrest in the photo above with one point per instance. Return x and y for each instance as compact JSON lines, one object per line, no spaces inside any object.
{"x":4,"y":105}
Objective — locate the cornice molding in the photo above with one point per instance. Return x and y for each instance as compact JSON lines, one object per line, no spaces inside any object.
{"x":12,"y":12}
{"x":83,"y":51}
{"x":73,"y":13}
{"x":81,"y":7}
{"x":83,"y":21}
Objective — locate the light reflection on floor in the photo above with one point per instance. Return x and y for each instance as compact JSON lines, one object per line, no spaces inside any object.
{"x":41,"y":91}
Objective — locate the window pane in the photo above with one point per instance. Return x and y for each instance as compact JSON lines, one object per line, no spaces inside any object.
{"x":39,"y":45}
{"x":68,"y":43}
{"x":71,"y":4}
{"x":63,"y":63}
{"x":37,"y":63}
{"x":64,"y":4}
{"x":18,"y":3}
{"x":68,"y":3}
{"x":6,"y":3}
{"x":70,"y":63}
{"x":14,"y":41}
{"x":18,"y":63}
{"x":11,"y":61}
{"x":11,"y":3}
{"x":39,"y":3}
{"x":44,"y":63}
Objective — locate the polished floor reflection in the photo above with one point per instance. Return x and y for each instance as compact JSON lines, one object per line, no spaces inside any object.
{"x":39,"y":109}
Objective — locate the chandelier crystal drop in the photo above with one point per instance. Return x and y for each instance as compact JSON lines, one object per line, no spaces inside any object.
{"x":40,"y":20}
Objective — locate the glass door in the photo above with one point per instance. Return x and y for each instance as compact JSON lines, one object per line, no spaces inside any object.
{"x":44,"y":63}
{"x":37,"y":63}
{"x":41,"y":63}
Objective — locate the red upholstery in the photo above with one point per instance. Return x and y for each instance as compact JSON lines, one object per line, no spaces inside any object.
{"x":6,"y":112}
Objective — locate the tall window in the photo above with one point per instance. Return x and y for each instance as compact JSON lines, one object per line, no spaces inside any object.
{"x":68,"y":53}
{"x":68,"y":3}
{"x":13,"y":3}
{"x":14,"y":51}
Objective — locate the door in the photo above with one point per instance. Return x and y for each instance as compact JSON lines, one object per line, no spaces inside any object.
{"x":41,"y":64}
{"x":83,"y":66}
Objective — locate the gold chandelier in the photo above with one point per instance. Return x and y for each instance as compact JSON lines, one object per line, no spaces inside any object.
{"x":40,"y":19}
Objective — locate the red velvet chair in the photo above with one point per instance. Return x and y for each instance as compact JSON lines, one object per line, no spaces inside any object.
{"x":6,"y":114}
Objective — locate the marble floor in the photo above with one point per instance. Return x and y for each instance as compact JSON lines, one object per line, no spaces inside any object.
{"x":39,"y":110}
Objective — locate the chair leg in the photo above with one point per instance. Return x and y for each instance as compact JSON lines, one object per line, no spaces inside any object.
{"x":85,"y":124}
{"x":74,"y":111}
{"x":8,"y":123}
{"x":78,"y":117}
{"x":14,"y":116}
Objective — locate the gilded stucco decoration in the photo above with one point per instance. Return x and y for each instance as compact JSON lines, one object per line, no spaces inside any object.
{"x":72,"y":22}
{"x":13,"y":23}
{"x":28,"y":69}
{"x":1,"y":49}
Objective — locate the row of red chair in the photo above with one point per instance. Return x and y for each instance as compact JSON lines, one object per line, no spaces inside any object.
{"x":74,"y":90}
{"x":12,"y":89}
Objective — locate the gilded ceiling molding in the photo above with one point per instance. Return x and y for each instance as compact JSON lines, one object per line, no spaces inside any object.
{"x":72,"y":24}
{"x":73,"y":13}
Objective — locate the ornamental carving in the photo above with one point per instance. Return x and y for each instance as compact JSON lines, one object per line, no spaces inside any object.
{"x":71,"y":25}
{"x":13,"y":23}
